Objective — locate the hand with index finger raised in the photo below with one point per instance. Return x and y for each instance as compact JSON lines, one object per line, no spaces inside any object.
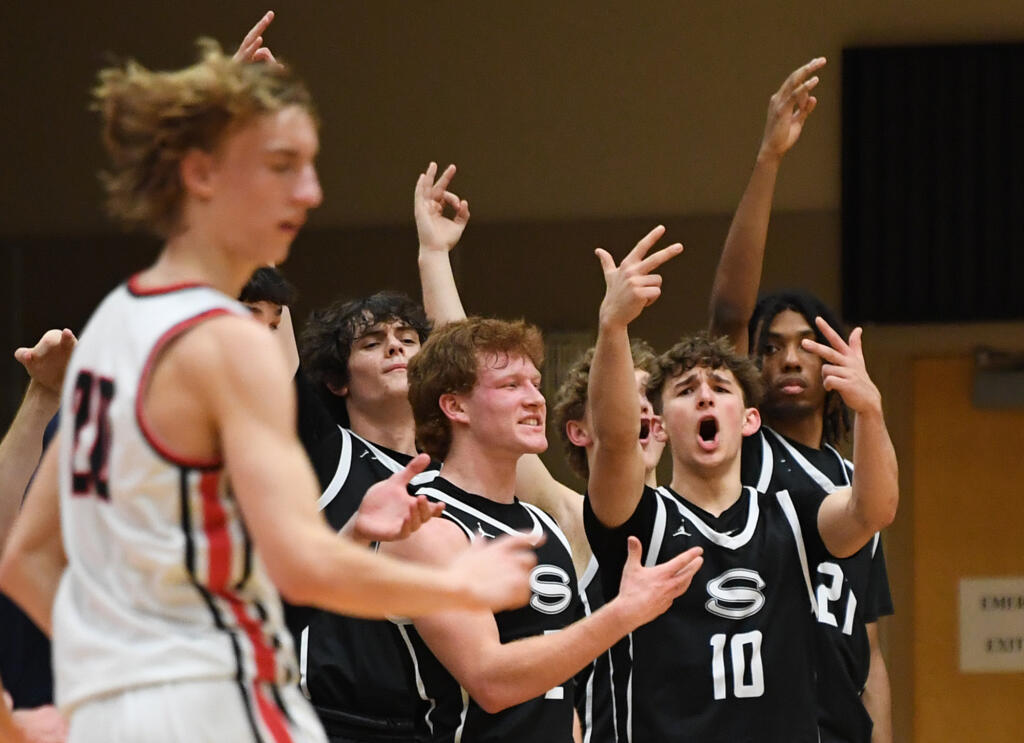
{"x":844,"y":369}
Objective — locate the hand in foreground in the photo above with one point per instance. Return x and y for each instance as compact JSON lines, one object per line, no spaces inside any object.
{"x":435,"y":230}
{"x":844,"y":370}
{"x":789,"y":108}
{"x":649,"y":592}
{"x":388,"y":512}
{"x":41,"y":724}
{"x":251,"y":49}
{"x":48,"y":359}
{"x":496,"y":572}
{"x":630,"y":286}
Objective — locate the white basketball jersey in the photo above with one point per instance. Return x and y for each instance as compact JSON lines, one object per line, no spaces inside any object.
{"x":163,"y":583}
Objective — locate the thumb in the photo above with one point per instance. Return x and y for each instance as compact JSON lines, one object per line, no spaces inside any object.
{"x":634,"y":550}
{"x":607,"y":262}
{"x":418,"y":463}
{"x":23,"y":355}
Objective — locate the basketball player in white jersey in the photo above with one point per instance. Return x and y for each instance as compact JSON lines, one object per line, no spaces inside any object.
{"x":178,"y":442}
{"x":752,"y":613}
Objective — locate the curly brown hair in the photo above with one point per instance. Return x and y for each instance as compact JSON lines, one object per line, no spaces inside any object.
{"x":571,"y":398}
{"x":712,"y":353}
{"x":152,"y":119}
{"x":448,"y":363}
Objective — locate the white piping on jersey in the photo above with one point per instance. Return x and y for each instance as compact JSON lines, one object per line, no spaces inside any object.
{"x":462,"y":717}
{"x":341,"y":474}
{"x":794,"y":523}
{"x":393,"y":464}
{"x":767,"y":464}
{"x":483,"y":517}
{"x":629,"y":694}
{"x":820,"y":478}
{"x":588,"y":706}
{"x":421,"y":689}
{"x":657,"y":535}
{"x":304,"y":660}
{"x":874,"y":543}
{"x":551,"y":524}
{"x":722,"y":540}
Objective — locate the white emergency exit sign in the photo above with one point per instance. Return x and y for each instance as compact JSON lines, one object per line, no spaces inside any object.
{"x":991,"y":625}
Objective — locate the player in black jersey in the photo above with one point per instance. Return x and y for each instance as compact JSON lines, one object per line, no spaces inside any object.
{"x":733,"y":661}
{"x":474,"y":388}
{"x":802,"y":423}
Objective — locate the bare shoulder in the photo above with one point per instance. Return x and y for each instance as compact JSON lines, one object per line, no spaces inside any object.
{"x":437,"y":542}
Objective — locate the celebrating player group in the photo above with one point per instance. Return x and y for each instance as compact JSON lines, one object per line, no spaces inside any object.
{"x":245,"y":530}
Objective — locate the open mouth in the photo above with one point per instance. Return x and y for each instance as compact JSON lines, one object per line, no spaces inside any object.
{"x":645,"y":429}
{"x":707,"y":434}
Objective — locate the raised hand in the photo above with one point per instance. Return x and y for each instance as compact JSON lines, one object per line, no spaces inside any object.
{"x":388,"y":512}
{"x":649,"y":592}
{"x":48,"y":359}
{"x":435,"y":230}
{"x":844,"y":370}
{"x":497,"y":571}
{"x":630,"y":286}
{"x":789,"y":108}
{"x":251,"y":49}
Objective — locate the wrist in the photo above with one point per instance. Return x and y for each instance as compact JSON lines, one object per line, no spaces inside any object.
{"x":41,"y":400}
{"x":623,"y":620}
{"x":430,"y":250}
{"x":767,"y":158}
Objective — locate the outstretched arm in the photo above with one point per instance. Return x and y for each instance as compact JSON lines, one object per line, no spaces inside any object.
{"x":616,"y":464}
{"x":498,"y":675}
{"x":734,"y":291}
{"x":849,"y":517}
{"x":22,"y":445}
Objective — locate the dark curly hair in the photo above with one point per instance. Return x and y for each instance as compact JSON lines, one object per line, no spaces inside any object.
{"x":712,"y":353}
{"x":571,"y":398}
{"x":837,"y":421}
{"x":327,"y":338}
{"x":267,"y":284}
{"x":448,"y":363}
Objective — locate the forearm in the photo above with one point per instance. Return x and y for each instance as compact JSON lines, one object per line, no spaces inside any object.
{"x":611,"y":390}
{"x":738,"y":276}
{"x":20,"y":451}
{"x":440,"y":293}
{"x":877,"y":696}
{"x":31,"y":580}
{"x":876,"y":484}
{"x":524,"y":669}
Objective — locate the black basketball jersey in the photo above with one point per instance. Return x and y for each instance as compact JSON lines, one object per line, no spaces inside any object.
{"x":357,"y":672}
{"x":850,"y":592}
{"x":733,"y":659}
{"x":450,"y":714}
{"x":595,"y":686}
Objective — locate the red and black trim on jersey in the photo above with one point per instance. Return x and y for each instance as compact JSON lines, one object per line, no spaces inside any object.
{"x":159,"y":446}
{"x":243,"y":621}
{"x":134,"y":288}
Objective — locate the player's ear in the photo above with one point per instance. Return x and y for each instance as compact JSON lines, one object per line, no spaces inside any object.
{"x":658,"y":429}
{"x":451,"y":406}
{"x":577,"y":434}
{"x":196,"y":172}
{"x":341,"y":390}
{"x":751,"y":421}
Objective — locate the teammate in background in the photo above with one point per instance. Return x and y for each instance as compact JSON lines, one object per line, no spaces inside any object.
{"x":802,"y":423}
{"x":25,"y":655}
{"x":166,"y":622}
{"x":735,"y":659}
{"x":474,"y":389}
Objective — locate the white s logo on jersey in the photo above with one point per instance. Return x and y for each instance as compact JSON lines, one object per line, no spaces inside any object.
{"x":550,"y":587}
{"x":736,"y":594}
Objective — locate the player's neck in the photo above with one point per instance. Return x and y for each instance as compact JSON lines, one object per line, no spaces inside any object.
{"x":188,"y":258}
{"x":713,"y":491}
{"x":475,"y":470}
{"x":806,"y":430}
{"x":389,"y":426}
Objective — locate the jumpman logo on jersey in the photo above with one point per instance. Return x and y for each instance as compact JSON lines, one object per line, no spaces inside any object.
{"x":481,"y":533}
{"x":681,"y":531}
